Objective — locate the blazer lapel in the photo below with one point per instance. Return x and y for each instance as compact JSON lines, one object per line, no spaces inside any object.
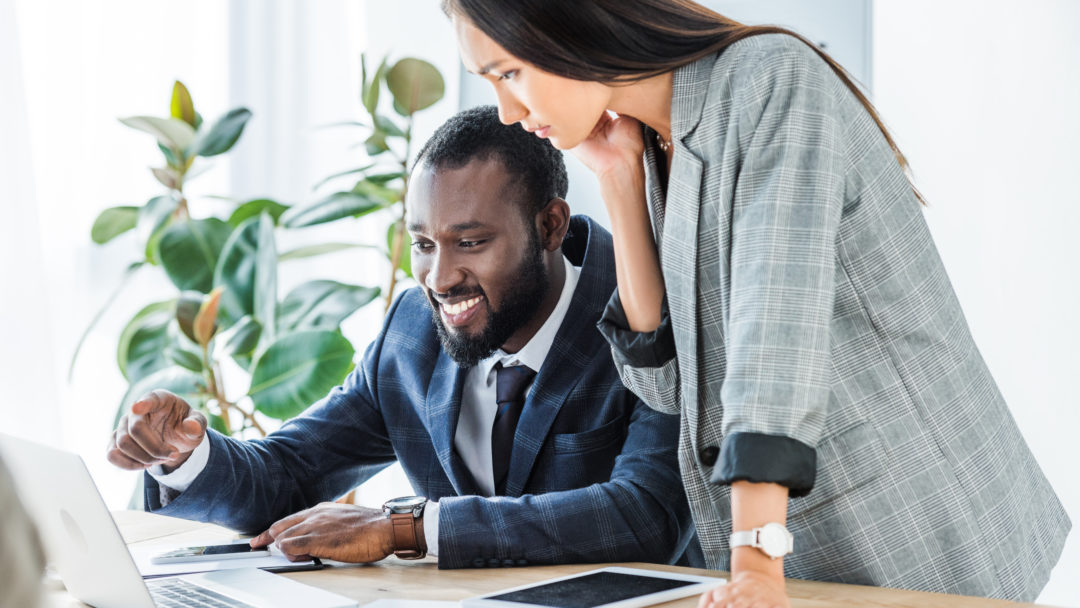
{"x":443,"y":404}
{"x":678,"y":246}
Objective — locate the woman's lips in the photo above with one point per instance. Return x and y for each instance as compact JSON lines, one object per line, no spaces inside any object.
{"x":459,"y":313}
{"x":542,"y":131}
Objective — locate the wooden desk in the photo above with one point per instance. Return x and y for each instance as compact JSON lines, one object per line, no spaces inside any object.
{"x":393,"y":578}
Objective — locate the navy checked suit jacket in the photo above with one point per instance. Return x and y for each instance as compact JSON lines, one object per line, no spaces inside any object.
{"x":593,"y":477}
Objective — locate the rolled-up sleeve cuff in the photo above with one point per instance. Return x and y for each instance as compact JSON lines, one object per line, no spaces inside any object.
{"x":761,"y":458}
{"x":637,"y":349}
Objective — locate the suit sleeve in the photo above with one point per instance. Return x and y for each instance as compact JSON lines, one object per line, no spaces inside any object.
{"x":320,"y":455}
{"x":785,"y":216}
{"x":639,"y":514}
{"x":645,"y":360}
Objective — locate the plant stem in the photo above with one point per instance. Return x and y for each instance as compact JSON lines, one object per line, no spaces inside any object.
{"x":215,"y":390}
{"x":399,"y":231}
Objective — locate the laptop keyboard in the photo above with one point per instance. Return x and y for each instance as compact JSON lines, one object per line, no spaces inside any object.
{"x":177,"y":593}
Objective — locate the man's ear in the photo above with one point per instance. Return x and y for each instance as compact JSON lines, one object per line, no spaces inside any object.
{"x":553,"y":222}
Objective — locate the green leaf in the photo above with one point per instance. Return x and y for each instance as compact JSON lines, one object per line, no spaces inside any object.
{"x":170,"y":132}
{"x":377,"y":189}
{"x":113,"y":222}
{"x":341,"y":174}
{"x":183,"y":382}
{"x":415,"y":84}
{"x":217,"y":423}
{"x":322,"y":305}
{"x":298,"y":370}
{"x":384,"y":178}
{"x":253,"y":208}
{"x":334,"y":207}
{"x":184,"y":358}
{"x":400,"y":109}
{"x":188,"y":304}
{"x":388,"y":126}
{"x":311,"y":251}
{"x":240,"y":339}
{"x":222,"y":136}
{"x":182,"y":106}
{"x":236,"y":271}
{"x":189,"y":252}
{"x":371,"y":89}
{"x":405,"y":257}
{"x":170,"y":157}
{"x":141,"y":350}
{"x":266,"y":283}
{"x":376,"y":144}
{"x":154,"y":217}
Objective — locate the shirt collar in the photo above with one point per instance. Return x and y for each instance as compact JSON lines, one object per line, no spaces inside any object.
{"x":536,"y":350}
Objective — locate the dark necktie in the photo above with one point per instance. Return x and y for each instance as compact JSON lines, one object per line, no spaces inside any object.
{"x":510,"y":383}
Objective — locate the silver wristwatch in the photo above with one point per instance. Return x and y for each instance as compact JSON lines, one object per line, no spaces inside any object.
{"x":772,"y":539}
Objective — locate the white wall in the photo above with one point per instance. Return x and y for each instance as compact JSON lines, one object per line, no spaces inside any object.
{"x":982,"y":97}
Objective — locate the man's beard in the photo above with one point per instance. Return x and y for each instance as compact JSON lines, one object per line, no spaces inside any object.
{"x":518,"y":307}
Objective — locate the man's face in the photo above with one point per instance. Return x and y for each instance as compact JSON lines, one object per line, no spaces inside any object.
{"x":478,"y":260}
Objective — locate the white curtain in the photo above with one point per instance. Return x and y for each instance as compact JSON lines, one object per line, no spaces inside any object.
{"x":28,"y":398}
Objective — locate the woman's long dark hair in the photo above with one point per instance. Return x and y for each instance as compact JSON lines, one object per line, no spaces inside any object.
{"x":614,"y":41}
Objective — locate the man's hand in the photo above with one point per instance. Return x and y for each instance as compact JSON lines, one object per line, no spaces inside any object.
{"x":346,"y":533}
{"x":161,"y":428}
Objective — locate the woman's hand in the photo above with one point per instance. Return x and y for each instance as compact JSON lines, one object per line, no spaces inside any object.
{"x":613,"y":149}
{"x":747,"y":588}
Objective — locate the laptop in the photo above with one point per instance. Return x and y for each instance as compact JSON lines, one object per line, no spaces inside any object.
{"x":87,"y":549}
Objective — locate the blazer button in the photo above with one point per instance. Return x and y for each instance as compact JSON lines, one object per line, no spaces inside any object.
{"x":708,"y":455}
{"x":494,"y":562}
{"x":479,"y":562}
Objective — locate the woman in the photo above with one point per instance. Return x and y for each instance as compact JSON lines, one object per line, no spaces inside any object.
{"x":778,"y":288}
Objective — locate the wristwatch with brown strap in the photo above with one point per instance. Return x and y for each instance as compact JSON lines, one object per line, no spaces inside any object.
{"x":404,"y":514}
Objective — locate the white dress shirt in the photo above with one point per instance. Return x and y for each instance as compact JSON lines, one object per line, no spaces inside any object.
{"x":472,"y":440}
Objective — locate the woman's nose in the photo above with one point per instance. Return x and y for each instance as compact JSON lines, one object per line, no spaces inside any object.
{"x":510,"y":109}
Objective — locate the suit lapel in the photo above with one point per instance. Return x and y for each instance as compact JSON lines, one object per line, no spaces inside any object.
{"x":571,"y":351}
{"x":443,"y":404}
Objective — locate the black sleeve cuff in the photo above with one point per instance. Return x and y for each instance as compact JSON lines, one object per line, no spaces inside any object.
{"x":638,"y":349}
{"x":761,"y":458}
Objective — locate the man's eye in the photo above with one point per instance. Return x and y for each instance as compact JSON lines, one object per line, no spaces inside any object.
{"x":470,"y":244}
{"x":421,"y":246}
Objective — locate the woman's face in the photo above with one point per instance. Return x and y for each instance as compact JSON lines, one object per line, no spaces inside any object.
{"x":560,"y":109}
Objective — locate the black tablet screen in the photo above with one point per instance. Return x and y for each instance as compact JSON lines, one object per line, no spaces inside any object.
{"x":591,"y":590}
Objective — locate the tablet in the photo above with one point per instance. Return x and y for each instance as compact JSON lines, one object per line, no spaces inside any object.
{"x":604,"y":588}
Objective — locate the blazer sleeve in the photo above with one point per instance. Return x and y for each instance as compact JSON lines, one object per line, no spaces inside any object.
{"x":646,"y":361}
{"x":788,"y":198}
{"x":332,"y":447}
{"x":639,"y":514}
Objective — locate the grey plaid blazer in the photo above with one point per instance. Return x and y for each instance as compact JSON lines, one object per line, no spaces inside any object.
{"x":807,"y":301}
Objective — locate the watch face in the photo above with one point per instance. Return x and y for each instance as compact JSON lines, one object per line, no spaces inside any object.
{"x":404,"y":504}
{"x":774,"y":540}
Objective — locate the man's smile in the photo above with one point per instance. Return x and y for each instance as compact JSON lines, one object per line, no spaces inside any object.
{"x":459,"y":313}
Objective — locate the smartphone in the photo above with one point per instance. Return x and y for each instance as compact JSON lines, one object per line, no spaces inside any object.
{"x":209,"y":552}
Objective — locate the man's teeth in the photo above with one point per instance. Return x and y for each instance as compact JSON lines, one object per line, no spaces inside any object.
{"x":460,"y":307}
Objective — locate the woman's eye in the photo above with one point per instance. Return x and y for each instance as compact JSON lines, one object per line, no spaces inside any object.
{"x":508,"y":75}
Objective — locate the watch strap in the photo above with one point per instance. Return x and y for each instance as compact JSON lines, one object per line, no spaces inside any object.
{"x":745,"y":538}
{"x":406,"y":537}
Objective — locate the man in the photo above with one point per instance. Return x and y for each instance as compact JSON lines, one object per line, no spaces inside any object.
{"x":489,"y":383}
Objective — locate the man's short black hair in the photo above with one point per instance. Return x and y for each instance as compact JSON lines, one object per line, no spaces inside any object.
{"x":477,"y":133}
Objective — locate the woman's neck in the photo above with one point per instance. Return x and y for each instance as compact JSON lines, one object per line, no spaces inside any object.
{"x":647,"y":100}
